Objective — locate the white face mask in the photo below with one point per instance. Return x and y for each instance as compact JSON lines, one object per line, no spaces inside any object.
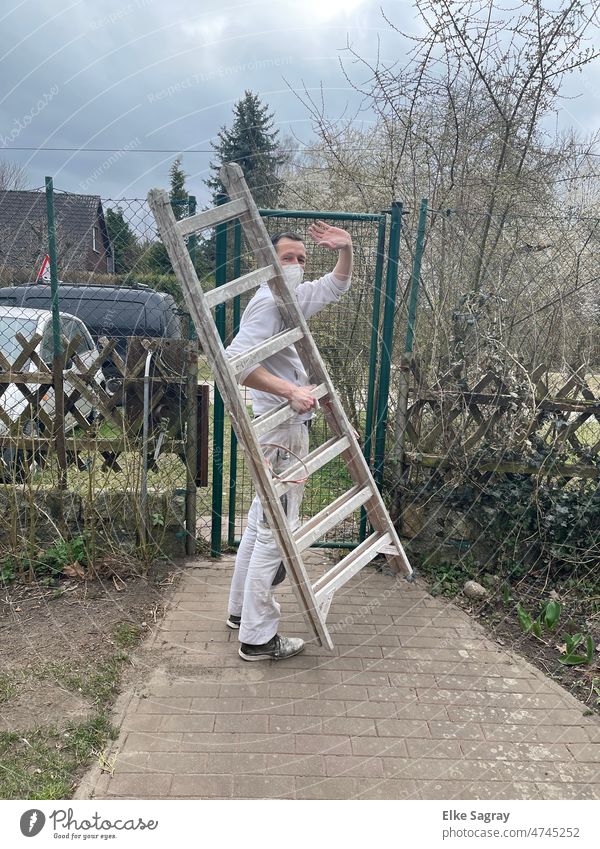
{"x":293,"y":274}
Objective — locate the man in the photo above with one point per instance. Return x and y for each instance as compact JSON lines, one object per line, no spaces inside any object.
{"x":258,"y":567}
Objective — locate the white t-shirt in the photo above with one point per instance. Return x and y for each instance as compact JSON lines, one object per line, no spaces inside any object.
{"x":262,"y":320}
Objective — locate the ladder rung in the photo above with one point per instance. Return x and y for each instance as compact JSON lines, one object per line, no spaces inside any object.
{"x":313,"y":461}
{"x":280,"y":414}
{"x":266,"y":349}
{"x":350,"y":565}
{"x":240,"y":285}
{"x":332,"y":515}
{"x":216,"y":215}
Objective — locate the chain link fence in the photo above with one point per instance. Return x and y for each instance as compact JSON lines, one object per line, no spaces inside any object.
{"x":104,"y":434}
{"x":348,"y":337}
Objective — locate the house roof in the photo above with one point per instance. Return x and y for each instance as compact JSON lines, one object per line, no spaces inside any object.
{"x":24,"y":228}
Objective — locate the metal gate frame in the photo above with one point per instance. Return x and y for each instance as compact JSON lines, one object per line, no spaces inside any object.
{"x":380,"y":353}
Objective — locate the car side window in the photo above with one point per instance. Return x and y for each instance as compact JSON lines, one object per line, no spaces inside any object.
{"x":77,"y":328}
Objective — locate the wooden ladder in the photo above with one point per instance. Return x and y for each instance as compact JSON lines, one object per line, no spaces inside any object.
{"x":314,"y":599}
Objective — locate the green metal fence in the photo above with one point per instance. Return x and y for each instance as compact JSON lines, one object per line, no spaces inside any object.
{"x":355,"y":338}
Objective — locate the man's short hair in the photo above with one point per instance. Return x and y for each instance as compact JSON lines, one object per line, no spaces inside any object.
{"x":277,"y":237}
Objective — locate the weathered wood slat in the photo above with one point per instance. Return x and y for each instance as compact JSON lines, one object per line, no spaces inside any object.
{"x":332,"y":515}
{"x":239,"y":286}
{"x":204,"y":220}
{"x":501,"y":466}
{"x":351,"y":564}
{"x":313,"y":461}
{"x":280,"y":414}
{"x":261,"y":352}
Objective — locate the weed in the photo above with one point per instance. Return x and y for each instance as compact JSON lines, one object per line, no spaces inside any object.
{"x":7,"y":687}
{"x":127,"y":635}
{"x":39,"y":764}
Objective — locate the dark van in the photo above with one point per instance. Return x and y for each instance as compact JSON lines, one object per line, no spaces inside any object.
{"x":111,"y":311}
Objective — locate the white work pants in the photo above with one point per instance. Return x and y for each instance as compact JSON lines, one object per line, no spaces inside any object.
{"x":258,"y":557}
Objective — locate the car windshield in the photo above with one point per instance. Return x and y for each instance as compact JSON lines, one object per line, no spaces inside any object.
{"x":9,"y":327}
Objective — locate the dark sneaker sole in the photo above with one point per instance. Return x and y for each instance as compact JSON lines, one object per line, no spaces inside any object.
{"x":267,"y":655}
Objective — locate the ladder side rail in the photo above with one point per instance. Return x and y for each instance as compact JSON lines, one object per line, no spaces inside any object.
{"x":227,"y":384}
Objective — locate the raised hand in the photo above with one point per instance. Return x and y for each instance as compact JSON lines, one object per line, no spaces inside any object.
{"x":326,"y":236}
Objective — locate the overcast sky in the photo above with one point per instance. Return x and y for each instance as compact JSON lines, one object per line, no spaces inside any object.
{"x":139,"y":74}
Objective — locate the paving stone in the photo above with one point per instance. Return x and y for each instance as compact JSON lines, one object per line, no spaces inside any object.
{"x":191,"y":722}
{"x":295,"y":725}
{"x":241,"y":722}
{"x":264,"y":786}
{"x":371,"y":710}
{"x":295,"y":764}
{"x":350,"y":726}
{"x":424,"y":748}
{"x":194,"y":741}
{"x":550,"y":752}
{"x":455,"y":730}
{"x":202,"y":786}
{"x":140,"y":786}
{"x":267,"y":743}
{"x":588,"y":752}
{"x":235,"y":763}
{"x":326,"y":788}
{"x":319,"y":707}
{"x":539,"y":734}
{"x":359,"y":767}
{"x":159,"y":742}
{"x":402,"y":728}
{"x":333,"y":744}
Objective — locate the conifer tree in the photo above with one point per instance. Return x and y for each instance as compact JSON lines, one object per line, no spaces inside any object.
{"x":252,"y":143}
{"x":178,"y":191}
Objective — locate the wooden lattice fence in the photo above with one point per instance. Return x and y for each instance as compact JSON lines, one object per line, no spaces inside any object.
{"x":491,"y":427}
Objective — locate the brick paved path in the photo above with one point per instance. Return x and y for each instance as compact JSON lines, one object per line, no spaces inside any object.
{"x":414,"y":703}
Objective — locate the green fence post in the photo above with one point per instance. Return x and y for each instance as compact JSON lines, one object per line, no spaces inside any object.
{"x":236,"y":271}
{"x":373,"y":356}
{"x":415,"y":278}
{"x":57,"y":359}
{"x":218,"y":408}
{"x":191,"y":430}
{"x":193,"y":238}
{"x":387,"y":340}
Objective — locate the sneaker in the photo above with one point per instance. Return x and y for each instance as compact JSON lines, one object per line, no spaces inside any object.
{"x":233,"y":621}
{"x":278,"y":648}
{"x":279,"y":575}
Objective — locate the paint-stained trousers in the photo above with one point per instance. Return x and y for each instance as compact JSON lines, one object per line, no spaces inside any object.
{"x":258,"y":557}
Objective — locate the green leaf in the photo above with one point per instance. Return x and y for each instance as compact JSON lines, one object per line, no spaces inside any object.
{"x":524,"y":618}
{"x":505,"y":590}
{"x":551,"y":614}
{"x":589,"y":649}
{"x":573,"y":659}
{"x":536,"y":628}
{"x":572,"y":641}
